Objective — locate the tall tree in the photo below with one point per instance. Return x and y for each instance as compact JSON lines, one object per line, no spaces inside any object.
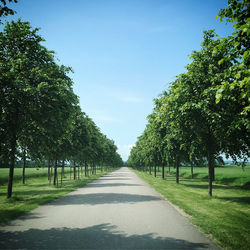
{"x":234,"y":88}
{"x":36,"y":93}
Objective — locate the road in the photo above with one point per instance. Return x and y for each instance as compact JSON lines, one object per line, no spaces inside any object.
{"x":117,"y":211}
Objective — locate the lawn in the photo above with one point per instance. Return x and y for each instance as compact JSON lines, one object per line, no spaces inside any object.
{"x":225,"y":217}
{"x":35,"y":192}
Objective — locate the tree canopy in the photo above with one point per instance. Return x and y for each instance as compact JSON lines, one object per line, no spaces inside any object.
{"x":39,"y":112}
{"x":205,"y":111}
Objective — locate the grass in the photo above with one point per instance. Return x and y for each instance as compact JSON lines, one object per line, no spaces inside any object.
{"x":225,"y":217}
{"x":35,"y":192}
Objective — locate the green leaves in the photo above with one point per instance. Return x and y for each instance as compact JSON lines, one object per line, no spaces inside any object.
{"x":219,"y":94}
{"x":5,"y":10}
{"x":206,"y":110}
{"x":39,"y":92}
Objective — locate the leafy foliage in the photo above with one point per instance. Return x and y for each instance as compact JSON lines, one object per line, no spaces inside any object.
{"x":205,"y":112}
{"x":4,"y":9}
{"x":39,"y":112}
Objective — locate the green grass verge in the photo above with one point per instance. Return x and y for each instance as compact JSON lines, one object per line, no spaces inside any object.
{"x":35,"y":192}
{"x":225,"y":217}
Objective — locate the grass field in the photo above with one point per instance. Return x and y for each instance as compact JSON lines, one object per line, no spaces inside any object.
{"x":225,"y":217}
{"x":35,"y":192}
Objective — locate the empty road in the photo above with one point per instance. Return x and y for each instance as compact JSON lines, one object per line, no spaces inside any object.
{"x":117,"y":211}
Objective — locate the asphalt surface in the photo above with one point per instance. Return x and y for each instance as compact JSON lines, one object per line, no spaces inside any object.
{"x":117,"y":211}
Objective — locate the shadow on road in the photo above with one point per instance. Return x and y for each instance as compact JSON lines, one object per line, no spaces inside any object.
{"x":103,"y":236}
{"x":115,"y":178}
{"x":102,"y":198}
{"x":117,"y":184}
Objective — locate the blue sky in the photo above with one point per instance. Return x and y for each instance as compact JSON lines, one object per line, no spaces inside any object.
{"x":123,"y":52}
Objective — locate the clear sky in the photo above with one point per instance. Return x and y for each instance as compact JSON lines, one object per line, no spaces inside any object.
{"x":123,"y":52}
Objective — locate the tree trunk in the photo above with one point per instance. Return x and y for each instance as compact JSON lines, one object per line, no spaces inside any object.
{"x":62,"y":172}
{"x":63,"y":168}
{"x":55,"y":173}
{"x":51,"y":174}
{"x":177,"y":164}
{"x":24,"y":166}
{"x":213,"y":173}
{"x":163,"y":172}
{"x":192,"y":170}
{"x":210,"y":172}
{"x":150,"y":169}
{"x":74,"y":171}
{"x":61,"y":176}
{"x":12,"y":163}
{"x":49,"y":170}
{"x":85,"y":169}
{"x":155,"y":171}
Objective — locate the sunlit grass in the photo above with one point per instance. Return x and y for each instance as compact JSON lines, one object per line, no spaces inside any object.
{"x":225,"y":217}
{"x":35,"y":192}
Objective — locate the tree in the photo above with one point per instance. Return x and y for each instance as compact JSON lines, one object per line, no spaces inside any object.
{"x":205,"y":123}
{"x":36,"y":93}
{"x":206,"y":111}
{"x":234,"y":88}
{"x":202,"y":115}
{"x":80,"y":138}
{"x":4,"y":10}
{"x":192,"y":124}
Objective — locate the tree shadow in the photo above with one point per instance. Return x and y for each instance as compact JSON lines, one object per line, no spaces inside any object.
{"x":246,"y":185}
{"x":117,"y":173}
{"x":7,"y":214}
{"x":112,"y":185}
{"x":226,"y":180}
{"x":244,"y":200}
{"x":114,"y":179}
{"x":37,"y":192}
{"x":102,"y":198}
{"x":195,"y":175}
{"x":102,"y":236}
{"x":202,"y":186}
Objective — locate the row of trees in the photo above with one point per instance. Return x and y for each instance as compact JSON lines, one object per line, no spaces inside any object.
{"x":40,"y":116}
{"x":205,"y":112}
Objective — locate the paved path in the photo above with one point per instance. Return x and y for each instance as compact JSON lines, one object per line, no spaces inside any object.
{"x":117,"y":211}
